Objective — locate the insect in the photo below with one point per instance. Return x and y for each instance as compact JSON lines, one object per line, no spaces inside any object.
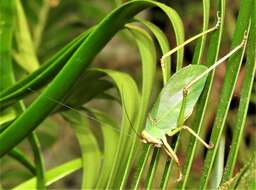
{"x":176,"y":101}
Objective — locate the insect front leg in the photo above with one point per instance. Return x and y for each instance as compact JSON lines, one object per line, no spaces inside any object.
{"x":171,"y":153}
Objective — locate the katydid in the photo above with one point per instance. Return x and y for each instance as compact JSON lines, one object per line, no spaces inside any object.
{"x":176,"y":101}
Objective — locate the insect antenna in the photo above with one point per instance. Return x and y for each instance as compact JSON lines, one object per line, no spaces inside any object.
{"x":129,"y":120}
{"x":76,"y":110}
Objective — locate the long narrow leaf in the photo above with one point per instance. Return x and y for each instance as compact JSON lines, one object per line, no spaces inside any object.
{"x":161,"y":38}
{"x":90,"y":153}
{"x":20,"y":157}
{"x":54,"y":174}
{"x":43,"y":75}
{"x":39,"y":161}
{"x":202,"y":104}
{"x":130,"y":97}
{"x":233,"y":67}
{"x":148,"y":59}
{"x":69,"y":74}
{"x":250,"y":70}
{"x":25,"y":54}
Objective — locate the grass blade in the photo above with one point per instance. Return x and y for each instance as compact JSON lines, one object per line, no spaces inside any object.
{"x":25,"y":55}
{"x":7,"y":8}
{"x":90,"y":153}
{"x":247,"y":85}
{"x":141,"y":166}
{"x":54,"y":174}
{"x":6,"y":32}
{"x":202,"y":103}
{"x":43,"y":75}
{"x":152,"y":168}
{"x":218,"y":165}
{"x":39,"y":162}
{"x":20,"y":157}
{"x":69,"y":74}
{"x":128,"y":91}
{"x":109,"y":129}
{"x":148,"y":59}
{"x":196,"y":59}
{"x":233,"y":66}
{"x":201,"y":42}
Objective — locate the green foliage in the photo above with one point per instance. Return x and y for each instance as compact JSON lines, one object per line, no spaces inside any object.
{"x":48,"y":72}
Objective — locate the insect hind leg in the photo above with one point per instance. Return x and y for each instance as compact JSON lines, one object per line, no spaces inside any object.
{"x":171,"y":153}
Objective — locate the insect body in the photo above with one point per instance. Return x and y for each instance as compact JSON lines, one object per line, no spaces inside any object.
{"x":166,"y":117}
{"x":163,"y":118}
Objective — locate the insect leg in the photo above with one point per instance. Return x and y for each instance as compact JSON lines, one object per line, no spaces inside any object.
{"x":181,"y":117}
{"x":241,"y":45}
{"x":170,"y":152}
{"x":190,"y":40}
{"x":175,"y":131}
{"x":209,"y":146}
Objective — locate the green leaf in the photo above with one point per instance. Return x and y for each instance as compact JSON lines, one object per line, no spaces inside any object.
{"x":7,"y":115}
{"x":148,"y":60}
{"x":6,"y":31}
{"x":200,"y":111}
{"x":246,"y":90}
{"x":163,"y":43}
{"x":90,"y":153}
{"x":109,"y":129}
{"x":231,"y":75}
{"x":20,"y":157}
{"x":39,"y":161}
{"x":129,"y":95}
{"x":70,"y":73}
{"x":53,"y":175}
{"x":25,"y":54}
{"x":43,"y":75}
{"x":218,"y":167}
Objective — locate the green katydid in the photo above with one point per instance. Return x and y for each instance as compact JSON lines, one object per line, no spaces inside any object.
{"x":176,"y":101}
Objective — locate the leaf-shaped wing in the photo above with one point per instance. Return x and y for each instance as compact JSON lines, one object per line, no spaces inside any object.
{"x":167,"y":107}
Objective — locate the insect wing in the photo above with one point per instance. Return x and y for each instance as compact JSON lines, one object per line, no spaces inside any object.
{"x":168,"y":105}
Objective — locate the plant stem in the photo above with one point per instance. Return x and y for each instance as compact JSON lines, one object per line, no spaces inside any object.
{"x":20,"y":157}
{"x":141,"y":166}
{"x":152,"y":168}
